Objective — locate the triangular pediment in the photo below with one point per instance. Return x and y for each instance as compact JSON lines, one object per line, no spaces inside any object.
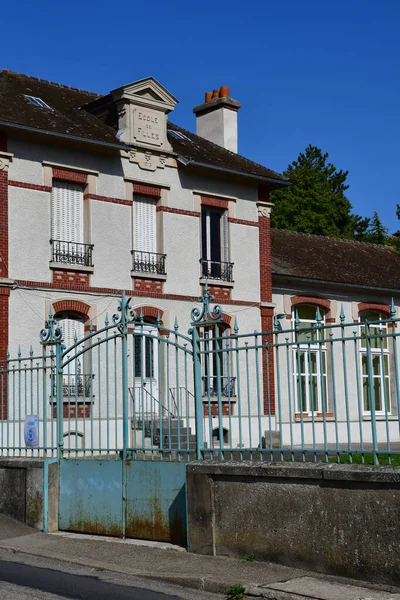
{"x":148,"y":92}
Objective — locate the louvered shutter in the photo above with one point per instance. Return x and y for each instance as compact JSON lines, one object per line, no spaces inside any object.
{"x":224,"y":237}
{"x":67,"y":212}
{"x":144,"y":224}
{"x":69,"y":328}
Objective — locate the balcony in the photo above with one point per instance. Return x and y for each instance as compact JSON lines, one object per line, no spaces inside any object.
{"x":148,"y":263}
{"x":75,"y":385}
{"x":211,"y":269}
{"x":226,"y":385}
{"x":72,"y":254}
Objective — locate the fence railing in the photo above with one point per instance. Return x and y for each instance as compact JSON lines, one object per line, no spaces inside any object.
{"x":72,"y":253}
{"x":212,"y":269}
{"x":148,"y":262}
{"x":315,"y":391}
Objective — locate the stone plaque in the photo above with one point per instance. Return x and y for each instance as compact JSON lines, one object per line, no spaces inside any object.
{"x":149,"y":126}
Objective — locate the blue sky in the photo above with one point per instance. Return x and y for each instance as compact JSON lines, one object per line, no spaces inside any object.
{"x":321,"y":72}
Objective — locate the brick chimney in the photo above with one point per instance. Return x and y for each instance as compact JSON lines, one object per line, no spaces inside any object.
{"x":216,"y":119}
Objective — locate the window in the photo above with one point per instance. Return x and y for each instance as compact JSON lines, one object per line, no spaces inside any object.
{"x":68,"y":225}
{"x":309,"y":361}
{"x":375,"y":377}
{"x":145,"y":258}
{"x":38,"y":102}
{"x":75,"y":381}
{"x":215,"y":244}
{"x":217,"y":365}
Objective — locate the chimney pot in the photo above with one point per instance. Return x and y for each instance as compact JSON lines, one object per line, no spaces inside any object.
{"x":215,"y":94}
{"x":208,"y":96}
{"x":224,"y":91}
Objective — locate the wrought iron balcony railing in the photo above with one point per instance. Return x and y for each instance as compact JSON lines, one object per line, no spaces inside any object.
{"x":72,"y":253}
{"x":212,"y":269}
{"x":76,"y":385}
{"x":225,"y":385}
{"x":148,"y":262}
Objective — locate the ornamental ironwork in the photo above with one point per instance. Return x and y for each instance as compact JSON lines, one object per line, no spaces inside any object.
{"x":72,"y":253}
{"x":148,"y":262}
{"x":214,"y":269}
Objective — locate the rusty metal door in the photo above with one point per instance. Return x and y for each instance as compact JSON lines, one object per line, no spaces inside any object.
{"x":139,"y":499}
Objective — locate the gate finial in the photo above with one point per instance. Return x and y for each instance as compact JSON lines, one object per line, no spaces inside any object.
{"x":51,"y":334}
{"x":127,"y":314}
{"x":206,"y":314}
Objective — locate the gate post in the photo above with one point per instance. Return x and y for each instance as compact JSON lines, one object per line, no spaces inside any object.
{"x":51,"y":335}
{"x":201,"y":317}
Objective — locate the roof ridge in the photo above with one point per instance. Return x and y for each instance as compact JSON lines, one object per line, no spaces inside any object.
{"x":336,"y":239}
{"x":229,"y":151}
{"x":62,"y":85}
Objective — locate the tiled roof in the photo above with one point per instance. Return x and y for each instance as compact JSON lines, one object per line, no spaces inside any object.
{"x":319,"y":258}
{"x":68,"y":118}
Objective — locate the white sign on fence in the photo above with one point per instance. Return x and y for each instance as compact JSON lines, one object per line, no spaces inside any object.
{"x":31,"y":431}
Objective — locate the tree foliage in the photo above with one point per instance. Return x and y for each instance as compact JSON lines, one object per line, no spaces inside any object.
{"x":316,"y":200}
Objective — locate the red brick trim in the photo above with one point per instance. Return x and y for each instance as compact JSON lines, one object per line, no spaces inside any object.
{"x":90,"y":327}
{"x":149,"y":312}
{"x":178,"y":211}
{"x":4,"y":292}
{"x":264,"y":224}
{"x":70,"y":279}
{"x":215,"y":202}
{"x":116,"y":292}
{"x":74,"y":410}
{"x":107,"y":199}
{"x":227,"y":319}
{"x":144,"y":189}
{"x":69,"y":175}
{"x":267,"y":315}
{"x":243,"y":222}
{"x":322,"y":302}
{"x":384,"y":308}
{"x":330,"y":320}
{"x":71,"y":306}
{"x":147,"y":286}
{"x":30,"y":186}
{"x":220,"y":293}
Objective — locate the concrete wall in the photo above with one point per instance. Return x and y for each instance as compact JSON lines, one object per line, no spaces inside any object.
{"x":338,"y":519}
{"x":23,"y":495}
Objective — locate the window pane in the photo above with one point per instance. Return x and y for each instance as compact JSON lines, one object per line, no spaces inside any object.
{"x":377,"y":393}
{"x":301,"y":393}
{"x":138,"y":356}
{"x":308,"y":313}
{"x":367,"y":404}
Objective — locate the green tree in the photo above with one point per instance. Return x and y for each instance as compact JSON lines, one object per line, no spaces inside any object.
{"x":316,"y":201}
{"x":377,"y":233}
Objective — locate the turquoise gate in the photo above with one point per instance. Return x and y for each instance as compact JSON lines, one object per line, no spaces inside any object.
{"x":125,"y":415}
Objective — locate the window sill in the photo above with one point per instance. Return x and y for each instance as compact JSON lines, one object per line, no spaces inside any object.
{"x":72,"y":400}
{"x":380,"y":418}
{"x":70,"y":267}
{"x":318,"y":418}
{"x":217,"y":282}
{"x":142,"y":275}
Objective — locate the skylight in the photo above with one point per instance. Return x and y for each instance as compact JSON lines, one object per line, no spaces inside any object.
{"x":178,"y":135}
{"x":37,"y":102}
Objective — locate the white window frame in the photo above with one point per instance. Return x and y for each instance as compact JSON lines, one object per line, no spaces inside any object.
{"x":144,"y":224}
{"x":67,"y":212}
{"x":308,"y":350}
{"x":383,"y":353}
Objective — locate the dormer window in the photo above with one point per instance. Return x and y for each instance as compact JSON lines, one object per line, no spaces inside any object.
{"x":38,"y":102}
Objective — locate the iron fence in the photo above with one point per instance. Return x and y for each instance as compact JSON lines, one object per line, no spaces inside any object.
{"x":212,"y":269}
{"x":72,"y":253}
{"x":325,"y":391}
{"x":148,"y":262}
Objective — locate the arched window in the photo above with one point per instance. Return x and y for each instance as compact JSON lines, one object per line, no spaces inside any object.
{"x":75,"y":380}
{"x":309,"y":358}
{"x":374,"y":351}
{"x":217,"y":364}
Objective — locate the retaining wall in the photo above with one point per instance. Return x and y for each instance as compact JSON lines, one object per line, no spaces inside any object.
{"x":338,"y":519}
{"x":29,"y":491}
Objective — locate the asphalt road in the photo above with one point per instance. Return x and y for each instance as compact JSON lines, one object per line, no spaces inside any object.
{"x":21,"y":581}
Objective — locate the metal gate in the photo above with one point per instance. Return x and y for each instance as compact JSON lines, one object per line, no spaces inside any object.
{"x":125,"y":413}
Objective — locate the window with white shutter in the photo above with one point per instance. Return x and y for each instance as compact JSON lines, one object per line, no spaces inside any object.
{"x":67,"y":228}
{"x":73,"y":378}
{"x":144,"y":224}
{"x":67,"y":212}
{"x":146,"y":259}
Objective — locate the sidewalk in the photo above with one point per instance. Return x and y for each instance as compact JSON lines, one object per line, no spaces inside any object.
{"x":164,"y":562}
